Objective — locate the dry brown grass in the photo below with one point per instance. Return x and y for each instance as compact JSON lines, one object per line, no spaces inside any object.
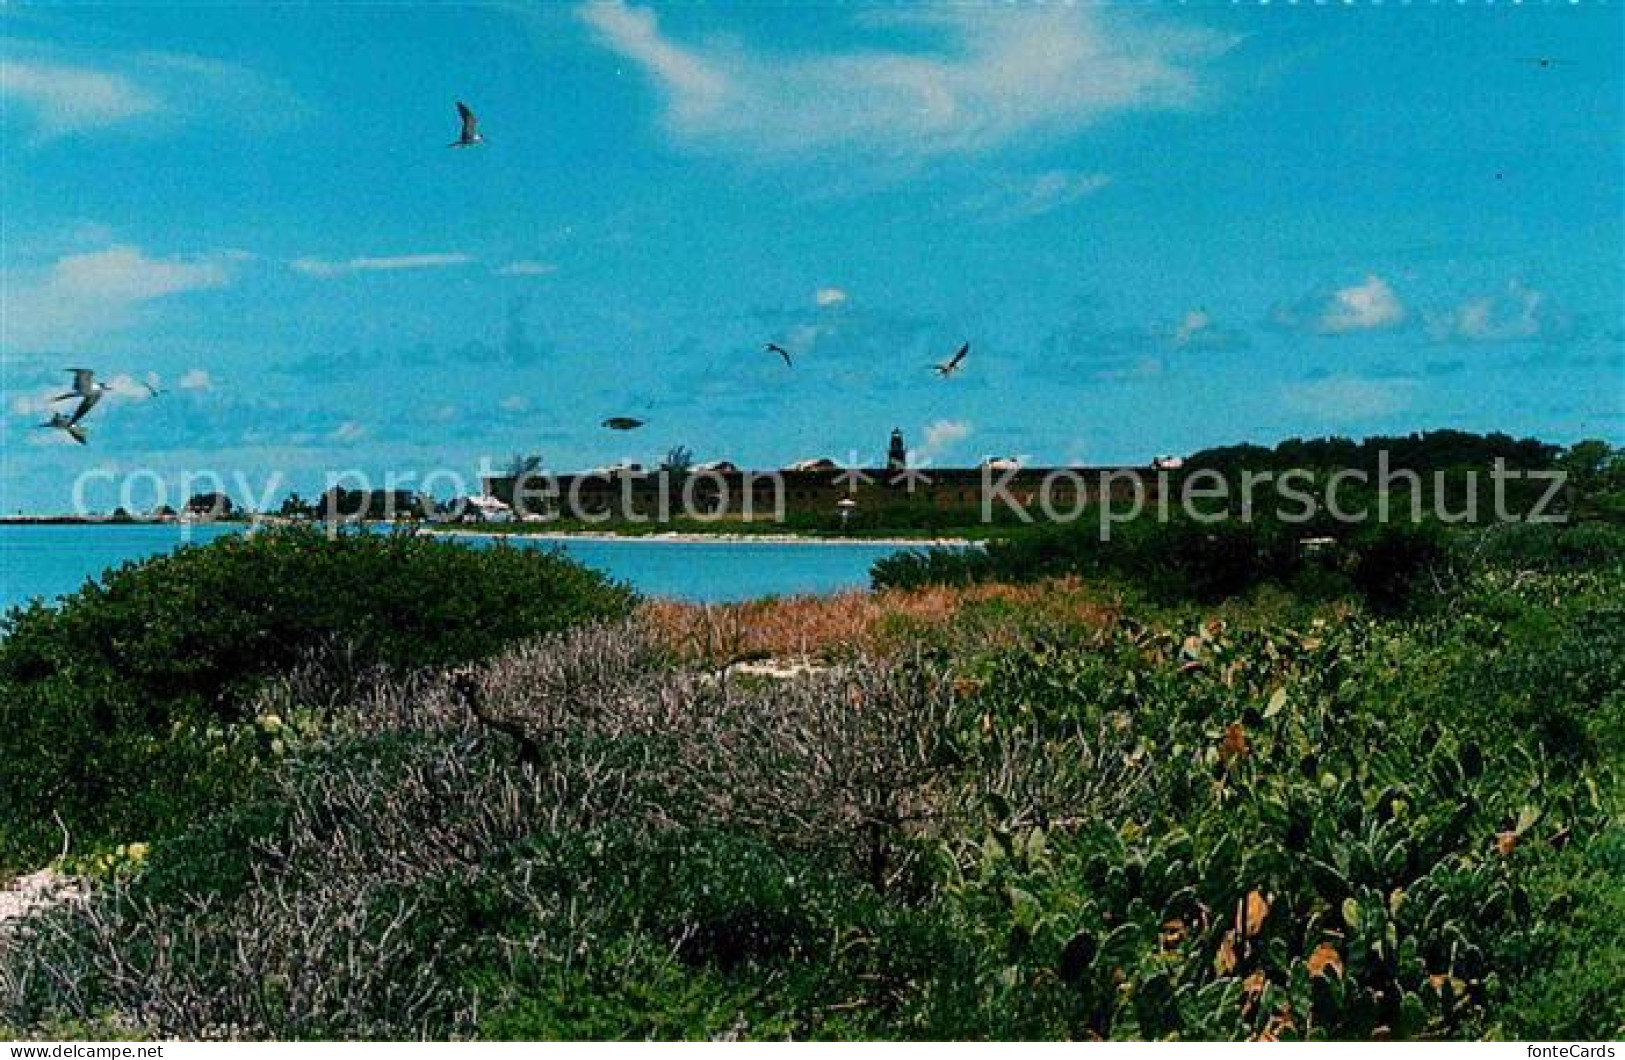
{"x":849,"y":623}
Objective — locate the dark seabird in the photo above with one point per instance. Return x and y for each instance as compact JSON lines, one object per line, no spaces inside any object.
{"x":950,"y":366}
{"x":86,"y":389}
{"x":67,"y":426}
{"x":774,"y":347}
{"x":623,"y":423}
{"x":470,"y":134}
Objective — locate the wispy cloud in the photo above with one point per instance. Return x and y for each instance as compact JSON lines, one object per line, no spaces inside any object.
{"x":1371,"y":305}
{"x":324,"y":268}
{"x":346,"y":432}
{"x":68,"y":99}
{"x":1515,"y":314}
{"x":84,"y":295}
{"x":1344,"y":399}
{"x":1198,"y":330}
{"x":527,"y":268}
{"x":1023,"y":197}
{"x":829,"y":297}
{"x":941,"y":436}
{"x":64,"y":92}
{"x":976,"y":78}
{"x":196,"y":379}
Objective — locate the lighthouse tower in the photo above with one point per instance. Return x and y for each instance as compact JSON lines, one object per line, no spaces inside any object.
{"x":896,"y":454}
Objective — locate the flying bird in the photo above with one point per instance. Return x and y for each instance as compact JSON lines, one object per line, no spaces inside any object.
{"x":623,"y":423}
{"x":67,"y":426}
{"x":950,"y":366}
{"x":470,"y":134}
{"x":87,"y":389}
{"x":1546,"y":62}
{"x":151,"y":387}
{"x":774,"y":347}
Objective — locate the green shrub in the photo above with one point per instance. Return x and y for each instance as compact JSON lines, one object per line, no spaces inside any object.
{"x":125,"y":708}
{"x":1398,"y":564}
{"x":1369,"y":827}
{"x":1549,"y":546}
{"x":1181,"y":559}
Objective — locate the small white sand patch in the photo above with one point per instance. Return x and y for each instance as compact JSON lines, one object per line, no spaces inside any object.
{"x":779,"y":669}
{"x":31,"y":893}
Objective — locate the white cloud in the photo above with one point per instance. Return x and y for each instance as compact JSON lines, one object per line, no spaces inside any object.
{"x":38,"y":403}
{"x":1138,"y":368}
{"x":942,"y":435}
{"x":1349,"y":398}
{"x":1514,"y":315}
{"x":1031,"y":196}
{"x":975,"y":77}
{"x":513,"y":403}
{"x":83,"y":295}
{"x":348,"y":431}
{"x":1196,"y":322}
{"x":63,"y":92}
{"x":195,"y":379}
{"x":829,"y":296}
{"x":1370,"y":305}
{"x":126,"y":274}
{"x":1198,"y":330}
{"x":397,"y":263}
{"x":1363,"y":307}
{"x":528,"y":268}
{"x":68,"y":99}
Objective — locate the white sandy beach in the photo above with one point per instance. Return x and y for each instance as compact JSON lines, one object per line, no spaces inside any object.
{"x":675,"y":537}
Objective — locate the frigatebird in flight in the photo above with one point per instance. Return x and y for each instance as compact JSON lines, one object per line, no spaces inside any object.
{"x":470,"y":134}
{"x":774,"y":347}
{"x":87,"y":389}
{"x":67,"y":426}
{"x":623,"y":423}
{"x":950,"y":366}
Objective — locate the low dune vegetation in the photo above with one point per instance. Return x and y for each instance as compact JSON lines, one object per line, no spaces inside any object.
{"x":841,"y":625}
{"x":129,"y":706}
{"x":1049,"y":806}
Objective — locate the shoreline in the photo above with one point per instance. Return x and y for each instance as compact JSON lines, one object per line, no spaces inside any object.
{"x":683,"y":537}
{"x":690,"y":538}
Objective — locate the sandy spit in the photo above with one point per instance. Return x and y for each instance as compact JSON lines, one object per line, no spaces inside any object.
{"x":673,"y":537}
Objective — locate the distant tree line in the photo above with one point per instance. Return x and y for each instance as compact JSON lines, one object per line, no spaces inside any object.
{"x":1423,"y":452}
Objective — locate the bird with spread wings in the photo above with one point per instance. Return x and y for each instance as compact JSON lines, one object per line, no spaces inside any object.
{"x":87,"y":389}
{"x":470,"y":134}
{"x":952,"y":365}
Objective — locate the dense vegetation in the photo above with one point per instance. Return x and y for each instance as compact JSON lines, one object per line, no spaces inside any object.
{"x":129,"y":708}
{"x":1391,"y":568}
{"x":1268,"y":817}
{"x":1445,"y":474}
{"x":1195,"y":779}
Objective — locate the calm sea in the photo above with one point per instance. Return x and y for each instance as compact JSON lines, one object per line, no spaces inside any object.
{"x":48,"y":561}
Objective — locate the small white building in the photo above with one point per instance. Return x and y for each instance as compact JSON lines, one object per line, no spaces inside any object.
{"x":485,"y":509}
{"x":815,"y":463}
{"x":625,"y":467}
{"x":1001,"y":463}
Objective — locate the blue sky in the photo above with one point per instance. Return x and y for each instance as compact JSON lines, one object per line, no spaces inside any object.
{"x":1161,"y":227}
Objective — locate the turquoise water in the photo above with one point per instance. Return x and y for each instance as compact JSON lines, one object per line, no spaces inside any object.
{"x":48,"y":561}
